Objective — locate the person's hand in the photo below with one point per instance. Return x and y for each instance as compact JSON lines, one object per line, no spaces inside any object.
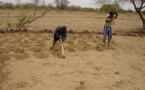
{"x":59,"y":37}
{"x":116,"y":13}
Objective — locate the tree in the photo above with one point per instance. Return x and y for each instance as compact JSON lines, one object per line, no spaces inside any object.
{"x":106,"y":8}
{"x":27,"y":6}
{"x":35,"y":5}
{"x":24,"y":18}
{"x":74,"y":8}
{"x":18,"y":4}
{"x":139,"y":5}
{"x":143,"y":12}
{"x":8,"y":5}
{"x":110,"y":7}
{"x":1,"y":4}
{"x":61,"y":4}
{"x":50,"y":6}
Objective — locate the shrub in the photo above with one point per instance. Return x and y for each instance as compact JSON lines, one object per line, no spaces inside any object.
{"x":8,"y":6}
{"x":143,"y":12}
{"x":74,"y":8}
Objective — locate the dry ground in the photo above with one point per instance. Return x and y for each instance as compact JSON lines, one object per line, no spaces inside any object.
{"x":77,"y":21}
{"x":28,"y":63}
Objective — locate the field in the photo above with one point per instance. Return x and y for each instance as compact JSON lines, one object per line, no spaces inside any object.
{"x":77,"y":21}
{"x":28,"y":63}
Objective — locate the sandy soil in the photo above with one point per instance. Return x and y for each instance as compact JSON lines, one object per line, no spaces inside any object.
{"x":27,"y":63}
{"x":77,"y":21}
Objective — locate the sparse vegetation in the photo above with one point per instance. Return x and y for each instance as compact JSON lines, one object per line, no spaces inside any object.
{"x":143,"y":12}
{"x":138,"y":5}
{"x":61,"y":5}
{"x":111,"y":7}
{"x":27,"y":61}
{"x":24,"y":16}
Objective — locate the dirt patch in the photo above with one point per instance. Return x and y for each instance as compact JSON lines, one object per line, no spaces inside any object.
{"x":3,"y":74}
{"x":86,"y":61}
{"x":22,"y":45}
{"x":41,"y":55}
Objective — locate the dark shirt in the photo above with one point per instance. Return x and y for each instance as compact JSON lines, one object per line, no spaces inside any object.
{"x":58,"y":32}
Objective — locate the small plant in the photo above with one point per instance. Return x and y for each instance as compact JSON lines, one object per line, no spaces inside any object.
{"x":24,"y":18}
{"x":9,"y":23}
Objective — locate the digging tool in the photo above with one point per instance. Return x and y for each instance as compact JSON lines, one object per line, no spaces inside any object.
{"x":63,"y":54}
{"x":116,"y":5}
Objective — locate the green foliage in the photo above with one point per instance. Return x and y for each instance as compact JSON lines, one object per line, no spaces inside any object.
{"x":130,"y":11}
{"x":21,"y":18}
{"x":78,"y":8}
{"x":18,"y":6}
{"x":27,"y":6}
{"x":124,"y":11}
{"x":74,"y":8}
{"x":24,"y":18}
{"x":43,"y":6}
{"x":108,"y":7}
{"x":88,"y":10}
{"x":143,"y":12}
{"x":8,"y":21}
{"x":61,"y":4}
{"x":8,"y":6}
{"x":1,"y":4}
{"x":50,"y":6}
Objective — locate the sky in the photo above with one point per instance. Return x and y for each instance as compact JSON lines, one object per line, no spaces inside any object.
{"x":82,"y":3}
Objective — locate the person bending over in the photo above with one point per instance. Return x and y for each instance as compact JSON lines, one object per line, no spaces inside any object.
{"x":60,"y":33}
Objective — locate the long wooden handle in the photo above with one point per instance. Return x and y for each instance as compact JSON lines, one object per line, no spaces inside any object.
{"x":62,"y":47}
{"x":116,"y":5}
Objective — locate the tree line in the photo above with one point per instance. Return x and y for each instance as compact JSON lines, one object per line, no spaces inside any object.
{"x":62,"y":6}
{"x":25,"y":18}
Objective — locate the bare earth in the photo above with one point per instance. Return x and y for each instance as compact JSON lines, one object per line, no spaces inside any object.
{"x":77,"y":21}
{"x":88,"y":65}
{"x":28,"y":63}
